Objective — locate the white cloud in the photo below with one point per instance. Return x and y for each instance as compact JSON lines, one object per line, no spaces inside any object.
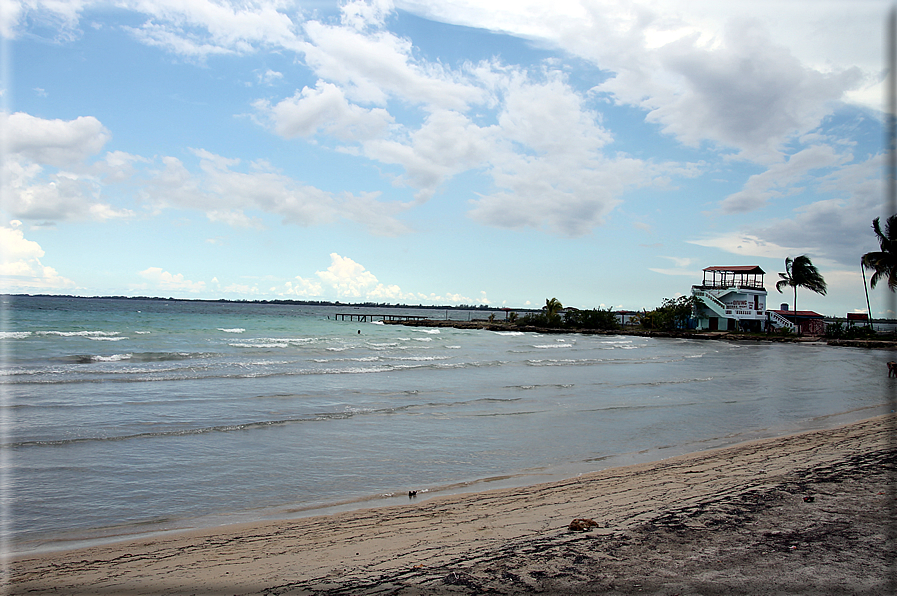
{"x":21,"y":269}
{"x":202,"y":28}
{"x":59,"y":16}
{"x":117,"y":166}
{"x":747,"y":92}
{"x":235,"y":218}
{"x":56,"y":142}
{"x":269,"y":77}
{"x":347,"y":277}
{"x":225,"y":194}
{"x":747,"y":76}
{"x":692,"y":273}
{"x":240,"y":289}
{"x":781,"y":179}
{"x":446,"y":144}
{"x":306,"y":288}
{"x":836,"y":229}
{"x":46,"y":174}
{"x":361,"y":15}
{"x":551,"y":171}
{"x":163,"y":280}
{"x":371,"y":66}
{"x":324,"y":108}
{"x":31,"y":193}
{"x":746,"y":245}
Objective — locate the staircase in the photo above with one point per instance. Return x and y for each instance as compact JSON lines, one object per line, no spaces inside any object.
{"x":780,"y":321}
{"x":713,"y":303}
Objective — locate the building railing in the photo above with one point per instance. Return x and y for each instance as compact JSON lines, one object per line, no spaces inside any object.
{"x":781,"y":321}
{"x":731,"y":285}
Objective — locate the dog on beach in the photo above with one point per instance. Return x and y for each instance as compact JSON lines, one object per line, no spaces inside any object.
{"x":892,"y":369}
{"x":582,"y":525}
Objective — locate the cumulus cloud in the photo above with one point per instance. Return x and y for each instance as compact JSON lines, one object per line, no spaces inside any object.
{"x":47,"y":174}
{"x":551,"y":170}
{"x":347,"y":277}
{"x":32,"y":193}
{"x":446,"y":144}
{"x":746,"y":92}
{"x":744,"y":77}
{"x":163,"y":280}
{"x":56,"y":142}
{"x":21,"y":269}
{"x":202,"y":28}
{"x":324,"y":108}
{"x":702,"y":77}
{"x":305,"y":288}
{"x":373,"y":66}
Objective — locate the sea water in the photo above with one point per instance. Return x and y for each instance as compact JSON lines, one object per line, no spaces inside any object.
{"x":128,"y":416}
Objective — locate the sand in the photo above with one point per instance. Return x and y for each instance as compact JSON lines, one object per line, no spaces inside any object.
{"x":804,"y":514}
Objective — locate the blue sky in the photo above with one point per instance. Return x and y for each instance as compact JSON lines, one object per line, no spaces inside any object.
{"x":451,"y":152}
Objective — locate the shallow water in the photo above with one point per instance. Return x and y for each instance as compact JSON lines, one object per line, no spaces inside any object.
{"x":127,"y":416}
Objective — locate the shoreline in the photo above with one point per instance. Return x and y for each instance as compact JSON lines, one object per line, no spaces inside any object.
{"x":680,"y":334}
{"x":656,"y":522}
{"x":84,"y":538}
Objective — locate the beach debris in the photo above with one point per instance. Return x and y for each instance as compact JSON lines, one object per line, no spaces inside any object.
{"x":458,"y":578}
{"x":582,"y":524}
{"x":809,"y":499}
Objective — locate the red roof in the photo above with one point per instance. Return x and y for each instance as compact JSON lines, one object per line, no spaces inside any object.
{"x":737,"y":268}
{"x":800,"y":313}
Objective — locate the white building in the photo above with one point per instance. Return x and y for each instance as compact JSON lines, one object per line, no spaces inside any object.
{"x":731,"y":298}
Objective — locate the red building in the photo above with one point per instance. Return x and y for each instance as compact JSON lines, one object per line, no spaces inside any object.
{"x":805,"y":322}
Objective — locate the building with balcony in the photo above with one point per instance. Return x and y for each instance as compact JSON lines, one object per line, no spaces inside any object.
{"x":731,"y":298}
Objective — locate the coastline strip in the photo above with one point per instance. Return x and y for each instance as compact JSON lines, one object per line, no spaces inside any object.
{"x":805,"y":513}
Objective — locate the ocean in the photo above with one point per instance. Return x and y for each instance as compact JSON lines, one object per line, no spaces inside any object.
{"x":127,"y":417}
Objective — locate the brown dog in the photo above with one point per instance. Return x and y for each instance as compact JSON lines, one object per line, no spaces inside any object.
{"x":582,"y":525}
{"x":892,"y":369}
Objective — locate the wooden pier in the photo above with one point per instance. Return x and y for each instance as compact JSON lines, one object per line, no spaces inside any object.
{"x":365,"y":317}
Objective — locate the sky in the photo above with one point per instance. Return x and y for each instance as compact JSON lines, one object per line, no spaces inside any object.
{"x":439,"y":151}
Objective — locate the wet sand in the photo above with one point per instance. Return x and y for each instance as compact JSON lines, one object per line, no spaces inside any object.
{"x":811,"y":513}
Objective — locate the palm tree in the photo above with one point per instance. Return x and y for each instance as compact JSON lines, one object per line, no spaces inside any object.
{"x":884,"y":261}
{"x":801,"y":272}
{"x":552,"y":307}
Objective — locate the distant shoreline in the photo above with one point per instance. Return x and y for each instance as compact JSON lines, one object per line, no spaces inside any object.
{"x":499,"y":325}
{"x":289,"y":302}
{"x":684,"y":334}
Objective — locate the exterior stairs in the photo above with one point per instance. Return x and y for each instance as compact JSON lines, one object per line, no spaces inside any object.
{"x":713,"y":303}
{"x":780,"y":321}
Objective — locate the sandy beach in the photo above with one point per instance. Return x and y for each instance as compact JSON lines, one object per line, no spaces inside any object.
{"x":804,"y":514}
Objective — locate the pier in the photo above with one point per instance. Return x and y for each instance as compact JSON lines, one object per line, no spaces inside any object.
{"x":365,"y":317}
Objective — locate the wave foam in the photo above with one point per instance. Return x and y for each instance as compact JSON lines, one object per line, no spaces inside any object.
{"x":80,"y":333}
{"x":14,"y":334}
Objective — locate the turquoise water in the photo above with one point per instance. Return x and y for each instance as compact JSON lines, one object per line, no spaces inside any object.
{"x":126,"y":416}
